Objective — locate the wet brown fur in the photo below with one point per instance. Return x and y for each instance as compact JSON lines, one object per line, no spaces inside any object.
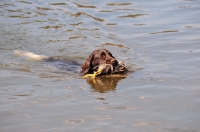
{"x":97,"y":58}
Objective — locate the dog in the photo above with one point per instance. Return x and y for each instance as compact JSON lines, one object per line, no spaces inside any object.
{"x":100,"y":62}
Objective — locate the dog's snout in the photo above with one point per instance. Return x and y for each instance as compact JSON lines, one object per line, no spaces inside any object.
{"x":115,"y":62}
{"x":111,"y":61}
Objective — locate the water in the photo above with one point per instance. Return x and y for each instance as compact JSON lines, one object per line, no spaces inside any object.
{"x":158,"y":39}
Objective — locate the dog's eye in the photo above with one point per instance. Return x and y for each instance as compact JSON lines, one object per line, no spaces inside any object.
{"x":103,"y":56}
{"x":96,"y":60}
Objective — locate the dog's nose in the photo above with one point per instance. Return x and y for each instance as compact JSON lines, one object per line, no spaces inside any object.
{"x":116,"y":63}
{"x":112,"y":61}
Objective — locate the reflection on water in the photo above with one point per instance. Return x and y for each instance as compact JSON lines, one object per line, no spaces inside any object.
{"x":104,"y":84}
{"x":132,"y":16}
{"x":84,"y":6}
{"x":170,"y":31}
{"x":78,"y":14}
{"x":118,"y":4}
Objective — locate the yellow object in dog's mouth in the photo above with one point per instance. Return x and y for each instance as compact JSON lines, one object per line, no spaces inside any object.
{"x":94,"y":74}
{"x":102,"y":69}
{"x":107,"y":69}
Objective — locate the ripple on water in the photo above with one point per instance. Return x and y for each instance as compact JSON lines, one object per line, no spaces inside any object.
{"x":159,"y":40}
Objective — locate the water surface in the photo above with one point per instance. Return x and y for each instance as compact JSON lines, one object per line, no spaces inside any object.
{"x":159,"y":40}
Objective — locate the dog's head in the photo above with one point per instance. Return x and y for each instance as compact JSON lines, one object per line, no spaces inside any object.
{"x":98,"y":57}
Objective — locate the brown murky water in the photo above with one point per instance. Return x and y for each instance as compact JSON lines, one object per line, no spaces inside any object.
{"x":160,"y":40}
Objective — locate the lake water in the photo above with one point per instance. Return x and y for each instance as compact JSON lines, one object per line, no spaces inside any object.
{"x":159,"y":40}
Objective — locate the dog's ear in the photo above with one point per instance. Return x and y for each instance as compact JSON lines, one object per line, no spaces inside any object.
{"x":86,"y":67}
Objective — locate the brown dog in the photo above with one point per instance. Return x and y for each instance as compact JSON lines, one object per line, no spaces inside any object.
{"x":100,"y":62}
{"x":103,"y":59}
